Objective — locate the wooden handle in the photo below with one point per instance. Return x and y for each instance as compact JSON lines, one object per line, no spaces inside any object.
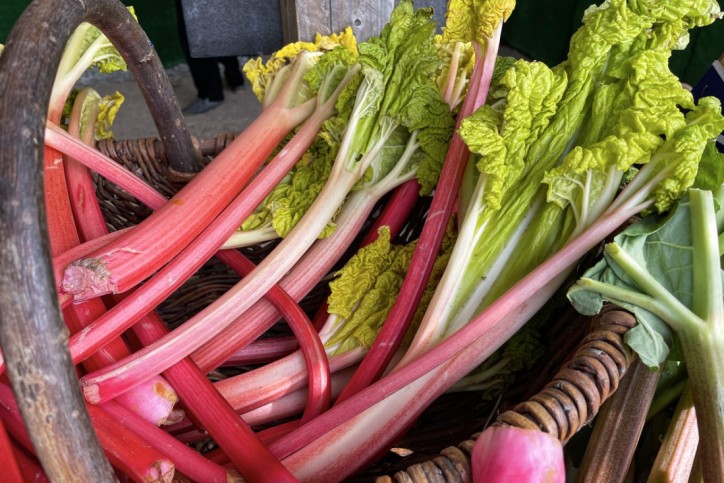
{"x":32,"y":333}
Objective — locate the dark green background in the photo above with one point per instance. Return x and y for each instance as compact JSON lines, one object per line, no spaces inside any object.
{"x":158,"y":18}
{"x":539,"y":28}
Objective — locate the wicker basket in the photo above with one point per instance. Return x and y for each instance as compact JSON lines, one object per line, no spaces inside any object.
{"x":585,"y":361}
{"x":560,"y":399}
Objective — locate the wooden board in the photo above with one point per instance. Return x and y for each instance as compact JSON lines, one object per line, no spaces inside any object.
{"x":302,"y":19}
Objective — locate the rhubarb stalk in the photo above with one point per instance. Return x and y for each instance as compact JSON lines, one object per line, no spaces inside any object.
{"x":129,"y":260}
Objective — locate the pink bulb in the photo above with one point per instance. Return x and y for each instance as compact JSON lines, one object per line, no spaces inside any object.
{"x":504,"y":454}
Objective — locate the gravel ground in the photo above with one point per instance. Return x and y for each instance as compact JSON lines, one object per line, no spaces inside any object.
{"x":134,"y":120}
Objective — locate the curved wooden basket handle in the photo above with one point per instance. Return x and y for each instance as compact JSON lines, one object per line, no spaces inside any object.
{"x":32,"y":333}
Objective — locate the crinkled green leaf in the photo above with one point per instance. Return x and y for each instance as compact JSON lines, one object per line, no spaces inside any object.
{"x":612,"y":103}
{"x":261,"y":74}
{"x":330,"y":69}
{"x":678,"y":157}
{"x":365,"y":291}
{"x":398,"y":90}
{"x":108,"y":108}
{"x":89,"y":111}
{"x":291,"y":198}
{"x":584,"y":172}
{"x":525,"y":102}
{"x":475,"y":20}
{"x":457,"y":60}
{"x":90,"y":45}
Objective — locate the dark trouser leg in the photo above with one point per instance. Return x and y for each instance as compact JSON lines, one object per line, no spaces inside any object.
{"x":232,"y":73}
{"x":204,"y":71}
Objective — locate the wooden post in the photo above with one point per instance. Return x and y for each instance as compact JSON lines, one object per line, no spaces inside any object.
{"x":302,"y":19}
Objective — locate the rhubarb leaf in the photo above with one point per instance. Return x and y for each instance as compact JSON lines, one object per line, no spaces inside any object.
{"x":663,"y":247}
{"x":710,"y":175}
{"x":475,"y":20}
{"x":261,"y":74}
{"x":365,"y":291}
{"x":108,"y":108}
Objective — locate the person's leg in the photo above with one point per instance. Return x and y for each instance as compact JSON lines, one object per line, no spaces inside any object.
{"x":232,"y":73}
{"x":204,"y":72}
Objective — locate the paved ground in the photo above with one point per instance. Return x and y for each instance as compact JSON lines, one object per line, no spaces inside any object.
{"x":134,"y":120}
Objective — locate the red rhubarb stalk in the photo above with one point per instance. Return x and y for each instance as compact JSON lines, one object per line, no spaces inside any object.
{"x":128,"y":261}
{"x":188,"y":461}
{"x":394,"y":215}
{"x":106,"y":384}
{"x":29,"y":466}
{"x":396,"y":211}
{"x":63,"y":236}
{"x":170,"y":277}
{"x":416,"y":384}
{"x":125,"y":450}
{"x":315,"y":264}
{"x":263,"y":351}
{"x":266,"y":384}
{"x":312,"y":349}
{"x":63,"y":142}
{"x":110,"y":382}
{"x":81,"y":189}
{"x":155,"y":399}
{"x":128,"y":452}
{"x":206,"y":405}
{"x":397,"y":322}
{"x":8,"y":462}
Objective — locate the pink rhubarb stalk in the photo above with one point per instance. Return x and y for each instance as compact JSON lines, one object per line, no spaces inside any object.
{"x":128,"y":452}
{"x":306,"y":274}
{"x":416,"y":384}
{"x":125,"y":450}
{"x":188,"y":461}
{"x":170,"y":277}
{"x":128,"y":261}
{"x":198,"y":330}
{"x":315,"y":357}
{"x":206,"y":405}
{"x":65,"y":143}
{"x":155,"y":399}
{"x":226,"y":427}
{"x":157,"y":405}
{"x":394,"y":215}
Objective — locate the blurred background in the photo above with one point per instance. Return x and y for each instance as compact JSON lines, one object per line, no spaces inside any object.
{"x":540,"y":29}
